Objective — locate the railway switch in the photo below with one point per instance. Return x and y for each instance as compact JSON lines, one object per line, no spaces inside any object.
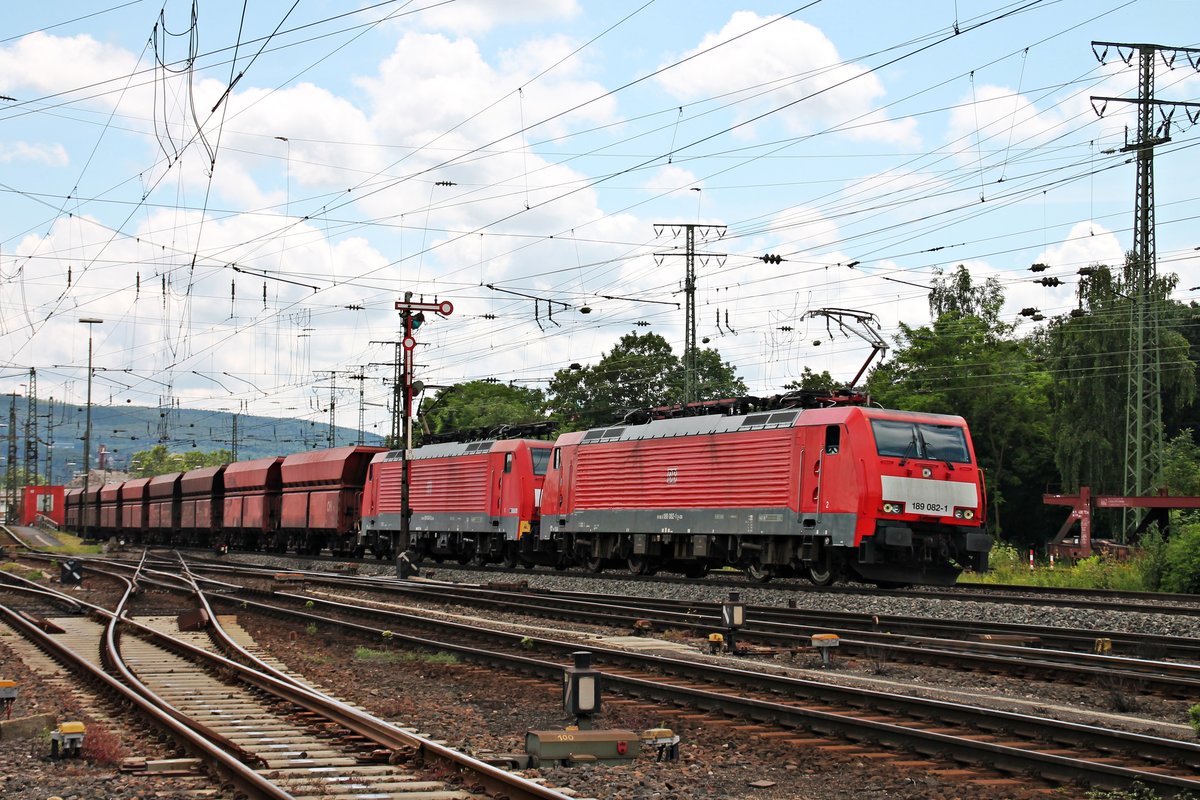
{"x":825,"y":642}
{"x":733,"y":616}
{"x":581,"y":689}
{"x":8,"y":696}
{"x":67,"y":739}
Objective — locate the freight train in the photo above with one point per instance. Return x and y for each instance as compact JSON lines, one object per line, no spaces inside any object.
{"x":837,"y":491}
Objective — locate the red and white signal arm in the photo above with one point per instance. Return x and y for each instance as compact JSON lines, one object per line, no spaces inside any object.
{"x":408,"y":342}
{"x":443,"y":307}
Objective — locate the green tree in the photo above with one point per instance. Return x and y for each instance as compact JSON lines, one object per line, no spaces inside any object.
{"x":159,"y":460}
{"x":973,"y":366}
{"x":1087,"y":352}
{"x":716,"y":379}
{"x":482,"y":404}
{"x":813,"y":382}
{"x":957,"y":294}
{"x":640,"y":371}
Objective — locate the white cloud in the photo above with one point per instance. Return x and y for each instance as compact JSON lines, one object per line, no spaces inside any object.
{"x":53,"y":154}
{"x":789,"y":65}
{"x":36,"y":63}
{"x":1087,"y":243}
{"x":473,"y":17}
{"x":671,"y":178}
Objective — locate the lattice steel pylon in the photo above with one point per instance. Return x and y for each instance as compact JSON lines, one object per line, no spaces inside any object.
{"x":1143,"y":412}
{"x":31,"y":429}
{"x":689,"y":290}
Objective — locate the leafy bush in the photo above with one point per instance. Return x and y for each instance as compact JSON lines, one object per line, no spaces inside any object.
{"x":1194,"y":718}
{"x":1181,"y":570}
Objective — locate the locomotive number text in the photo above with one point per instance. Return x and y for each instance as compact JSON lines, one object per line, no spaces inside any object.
{"x":672,"y":475}
{"x":939,"y":507}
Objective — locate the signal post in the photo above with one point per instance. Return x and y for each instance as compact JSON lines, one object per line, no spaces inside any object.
{"x":413,"y":314}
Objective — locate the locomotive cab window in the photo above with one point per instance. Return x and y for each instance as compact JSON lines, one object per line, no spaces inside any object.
{"x":541,"y":459}
{"x":833,"y":439}
{"x":557,"y":458}
{"x":922,"y":440}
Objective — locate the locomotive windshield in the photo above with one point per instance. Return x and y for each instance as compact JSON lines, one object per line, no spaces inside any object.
{"x":923,"y":440}
{"x":541,"y":459}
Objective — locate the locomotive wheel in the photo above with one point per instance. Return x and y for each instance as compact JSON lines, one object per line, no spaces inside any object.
{"x":510,"y":558}
{"x":594,"y":564}
{"x":695,"y":570}
{"x":758,"y":573}
{"x":820,"y":574}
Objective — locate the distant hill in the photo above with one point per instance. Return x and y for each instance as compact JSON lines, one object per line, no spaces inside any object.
{"x":124,"y":430}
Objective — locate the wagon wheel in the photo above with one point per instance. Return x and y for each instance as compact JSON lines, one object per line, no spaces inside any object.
{"x":640,"y":565}
{"x":820,"y":574}
{"x":593,"y":564}
{"x":756,"y":572}
{"x":695,"y":570}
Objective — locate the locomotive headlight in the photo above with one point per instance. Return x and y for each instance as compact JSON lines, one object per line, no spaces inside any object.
{"x":893,"y":508}
{"x":964,"y":513}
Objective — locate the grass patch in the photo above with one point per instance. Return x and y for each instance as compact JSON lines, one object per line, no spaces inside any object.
{"x":1009,"y":566}
{"x":72,"y":545}
{"x":22,"y":571}
{"x":393,"y":657}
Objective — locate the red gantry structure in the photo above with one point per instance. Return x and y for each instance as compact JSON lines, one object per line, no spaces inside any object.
{"x":1083,"y":507}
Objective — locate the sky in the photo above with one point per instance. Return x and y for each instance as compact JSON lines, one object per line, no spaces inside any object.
{"x":242,"y":193}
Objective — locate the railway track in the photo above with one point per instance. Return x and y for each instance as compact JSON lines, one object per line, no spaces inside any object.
{"x":791,"y":708}
{"x":1038,"y":652}
{"x":255,"y":727}
{"x":1050,"y":596}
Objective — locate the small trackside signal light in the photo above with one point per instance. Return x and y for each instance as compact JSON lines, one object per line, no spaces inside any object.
{"x":733,"y":616}
{"x":581,"y":689}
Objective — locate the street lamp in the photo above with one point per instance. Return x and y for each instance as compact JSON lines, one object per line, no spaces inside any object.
{"x":87,"y":430}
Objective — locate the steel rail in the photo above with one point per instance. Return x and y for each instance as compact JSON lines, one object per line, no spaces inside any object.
{"x":1163,"y":676}
{"x":227,"y":767}
{"x":282,"y":686}
{"x":1149,"y":747}
{"x":383,"y":733}
{"x":1167,"y":678}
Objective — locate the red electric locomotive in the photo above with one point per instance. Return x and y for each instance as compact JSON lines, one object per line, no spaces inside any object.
{"x":469,"y":501}
{"x":889,"y":497}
